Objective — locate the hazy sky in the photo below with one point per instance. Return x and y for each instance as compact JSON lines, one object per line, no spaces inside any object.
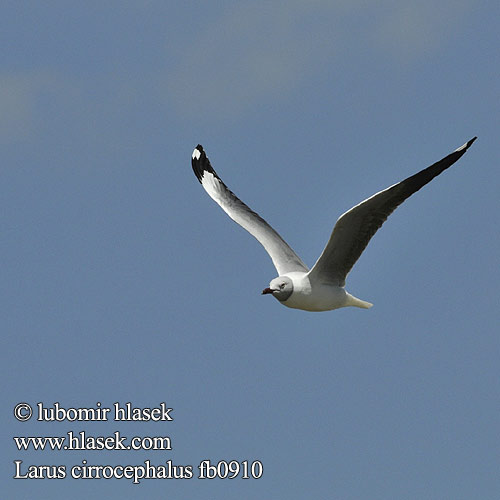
{"x":123,"y":282}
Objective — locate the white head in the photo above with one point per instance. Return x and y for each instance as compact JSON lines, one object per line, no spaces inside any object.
{"x":281,"y":288}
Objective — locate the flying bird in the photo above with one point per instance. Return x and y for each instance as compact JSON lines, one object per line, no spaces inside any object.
{"x":322,"y":287}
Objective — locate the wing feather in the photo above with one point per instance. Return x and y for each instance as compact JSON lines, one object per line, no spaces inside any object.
{"x":355,"y":228}
{"x":284,"y":258}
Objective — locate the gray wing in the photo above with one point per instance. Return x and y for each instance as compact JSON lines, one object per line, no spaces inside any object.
{"x":355,"y":228}
{"x":284,"y":258}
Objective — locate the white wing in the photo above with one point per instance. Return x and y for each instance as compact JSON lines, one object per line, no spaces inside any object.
{"x":284,"y":258}
{"x":355,"y":228}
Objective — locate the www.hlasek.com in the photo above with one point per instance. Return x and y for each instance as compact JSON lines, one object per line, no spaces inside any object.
{"x":206,"y":469}
{"x":80,"y":441}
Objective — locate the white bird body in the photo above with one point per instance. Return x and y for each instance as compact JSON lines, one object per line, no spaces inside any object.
{"x":322,"y":287}
{"x":320,"y":296}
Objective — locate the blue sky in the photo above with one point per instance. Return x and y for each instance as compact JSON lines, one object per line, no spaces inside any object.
{"x":122,"y":281}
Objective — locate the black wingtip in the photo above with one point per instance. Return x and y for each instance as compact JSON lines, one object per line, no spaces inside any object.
{"x":471,"y":141}
{"x":201,"y":163}
{"x":198,"y":152}
{"x":197,"y":161}
{"x":466,"y":146}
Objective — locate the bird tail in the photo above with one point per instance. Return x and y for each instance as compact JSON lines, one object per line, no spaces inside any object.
{"x":354,"y":301}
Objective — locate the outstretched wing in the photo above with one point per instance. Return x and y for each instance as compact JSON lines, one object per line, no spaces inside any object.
{"x":284,"y":258}
{"x":355,"y":228}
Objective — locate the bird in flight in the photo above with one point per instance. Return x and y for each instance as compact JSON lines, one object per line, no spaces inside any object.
{"x":320,"y":288}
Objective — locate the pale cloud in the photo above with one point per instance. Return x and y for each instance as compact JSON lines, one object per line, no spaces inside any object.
{"x":18,"y":95}
{"x":250,"y":54}
{"x":46,"y":102}
{"x":259,"y":51}
{"x":21,"y":96}
{"x":253,"y":50}
{"x":413,"y":29}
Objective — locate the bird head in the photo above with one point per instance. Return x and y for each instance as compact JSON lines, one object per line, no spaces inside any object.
{"x":281,"y":288}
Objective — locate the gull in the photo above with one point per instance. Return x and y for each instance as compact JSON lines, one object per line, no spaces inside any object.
{"x":322,"y":288}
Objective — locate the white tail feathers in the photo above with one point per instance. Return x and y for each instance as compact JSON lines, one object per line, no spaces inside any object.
{"x":354,"y":301}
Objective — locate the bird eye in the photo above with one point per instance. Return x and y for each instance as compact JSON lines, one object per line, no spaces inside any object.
{"x":282,"y":285}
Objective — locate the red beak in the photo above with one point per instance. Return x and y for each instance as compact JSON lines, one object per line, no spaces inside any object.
{"x":266,"y":290}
